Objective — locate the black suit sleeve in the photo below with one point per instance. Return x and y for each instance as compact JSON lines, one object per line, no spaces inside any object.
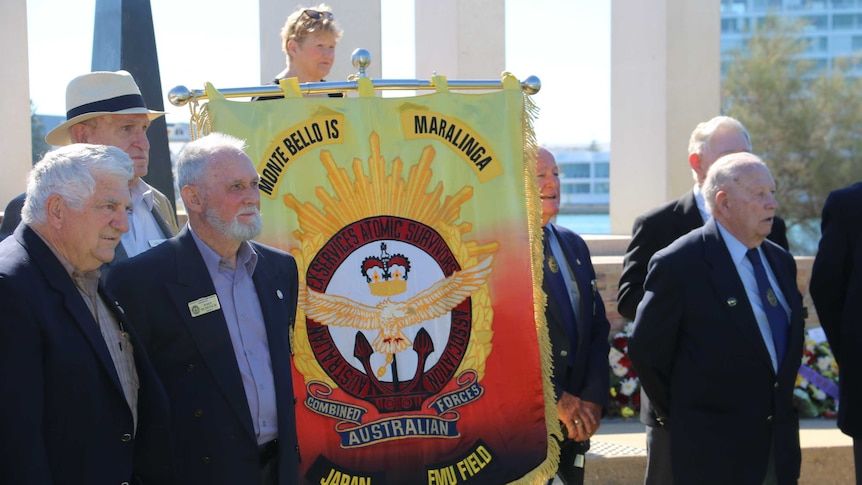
{"x":652,"y":346}
{"x":831,"y":273}
{"x":11,"y":216}
{"x":641,"y":248}
{"x":24,"y":457}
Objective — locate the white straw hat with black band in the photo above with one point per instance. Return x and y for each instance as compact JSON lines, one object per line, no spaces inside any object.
{"x":96,"y":94}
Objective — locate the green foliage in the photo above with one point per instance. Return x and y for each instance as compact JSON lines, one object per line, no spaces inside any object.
{"x":805,"y":122}
{"x":37,"y":136}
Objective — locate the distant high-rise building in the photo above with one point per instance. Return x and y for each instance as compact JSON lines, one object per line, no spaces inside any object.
{"x":834,"y":27}
{"x":584,"y":178}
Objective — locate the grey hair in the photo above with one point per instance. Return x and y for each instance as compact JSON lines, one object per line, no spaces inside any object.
{"x":70,"y":172}
{"x":726,"y":172}
{"x":193,"y":160}
{"x":703,"y":132}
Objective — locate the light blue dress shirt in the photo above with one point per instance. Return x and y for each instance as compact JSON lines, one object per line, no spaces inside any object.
{"x":238,"y":299}
{"x":746,"y":273}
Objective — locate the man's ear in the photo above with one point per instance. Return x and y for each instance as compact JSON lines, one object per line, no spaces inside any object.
{"x":192,"y":199}
{"x":722,"y":201}
{"x":79,"y":133}
{"x":56,"y":209}
{"x":694,"y":161}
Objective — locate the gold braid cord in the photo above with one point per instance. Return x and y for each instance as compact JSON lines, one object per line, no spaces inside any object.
{"x":199,"y":119}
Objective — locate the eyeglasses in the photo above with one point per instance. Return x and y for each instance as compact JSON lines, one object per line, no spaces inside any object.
{"x":316,"y":15}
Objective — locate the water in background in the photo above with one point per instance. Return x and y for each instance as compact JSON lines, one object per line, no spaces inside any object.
{"x":586,"y":223}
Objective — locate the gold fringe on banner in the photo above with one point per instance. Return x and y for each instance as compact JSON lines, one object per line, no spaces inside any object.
{"x":548,"y":468}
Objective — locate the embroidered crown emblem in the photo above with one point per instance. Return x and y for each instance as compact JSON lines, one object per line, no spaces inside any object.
{"x":386,"y":274}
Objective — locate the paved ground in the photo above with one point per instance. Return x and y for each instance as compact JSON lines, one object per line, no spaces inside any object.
{"x":618,"y":454}
{"x":627,"y":437}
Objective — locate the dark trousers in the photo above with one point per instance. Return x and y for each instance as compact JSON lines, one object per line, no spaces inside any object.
{"x":572,"y":460}
{"x":269,"y":463}
{"x":658,"y":469}
{"x":857,"y":458}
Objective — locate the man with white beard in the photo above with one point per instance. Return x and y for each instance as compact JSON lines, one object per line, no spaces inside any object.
{"x":219,"y":335}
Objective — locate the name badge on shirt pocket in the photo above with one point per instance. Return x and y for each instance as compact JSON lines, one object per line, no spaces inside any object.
{"x":204,"y":305}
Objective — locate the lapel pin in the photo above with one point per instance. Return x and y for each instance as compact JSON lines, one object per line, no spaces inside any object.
{"x":119,"y":307}
{"x":279,"y":294}
{"x":731,"y":302}
{"x":578,"y":262}
{"x":552,"y":265}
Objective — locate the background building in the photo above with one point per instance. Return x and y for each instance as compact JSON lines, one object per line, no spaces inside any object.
{"x":834,"y":27}
{"x":584,"y":178}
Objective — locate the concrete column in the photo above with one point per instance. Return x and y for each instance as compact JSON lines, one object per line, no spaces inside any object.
{"x":460,"y":39}
{"x":124,"y":38}
{"x":360,"y":22}
{"x":665,"y":78}
{"x":15,"y":108}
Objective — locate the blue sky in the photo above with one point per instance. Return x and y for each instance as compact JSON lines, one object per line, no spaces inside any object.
{"x":565,"y":44}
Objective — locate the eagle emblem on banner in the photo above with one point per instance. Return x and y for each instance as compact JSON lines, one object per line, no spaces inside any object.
{"x":388,"y":316}
{"x":385,"y":342}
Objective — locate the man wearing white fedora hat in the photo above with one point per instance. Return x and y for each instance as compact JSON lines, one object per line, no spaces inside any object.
{"x":106,"y":108}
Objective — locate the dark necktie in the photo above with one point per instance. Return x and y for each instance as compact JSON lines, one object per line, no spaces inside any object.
{"x":771,"y":306}
{"x":559,"y":294}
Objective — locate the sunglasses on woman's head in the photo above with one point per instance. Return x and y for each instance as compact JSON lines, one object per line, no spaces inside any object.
{"x":316,"y":15}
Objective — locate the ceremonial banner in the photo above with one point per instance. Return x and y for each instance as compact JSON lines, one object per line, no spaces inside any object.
{"x":419,"y":348}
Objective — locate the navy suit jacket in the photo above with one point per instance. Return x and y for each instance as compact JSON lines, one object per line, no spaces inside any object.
{"x":64,"y":416}
{"x":701,"y":359}
{"x":588,"y":377}
{"x":655,"y":230}
{"x":836,"y":288}
{"x":215,"y":439}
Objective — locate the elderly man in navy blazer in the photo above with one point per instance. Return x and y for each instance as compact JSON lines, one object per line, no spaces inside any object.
{"x":836,"y":288}
{"x":219,"y":336}
{"x":577,"y":326}
{"x":81,"y":402}
{"x":656,"y":229}
{"x":718,"y":337}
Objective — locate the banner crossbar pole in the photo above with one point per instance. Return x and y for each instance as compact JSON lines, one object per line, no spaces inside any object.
{"x":181,"y":95}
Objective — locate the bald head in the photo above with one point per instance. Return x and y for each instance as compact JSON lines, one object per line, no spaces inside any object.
{"x":740,"y":193}
{"x":710,"y":140}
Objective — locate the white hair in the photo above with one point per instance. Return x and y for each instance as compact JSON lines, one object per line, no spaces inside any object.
{"x":727,"y":172}
{"x":196,"y":155}
{"x":703,"y":132}
{"x":70,"y":172}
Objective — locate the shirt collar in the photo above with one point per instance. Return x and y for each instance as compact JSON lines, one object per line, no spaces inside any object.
{"x":71,"y":270}
{"x":736,"y":249}
{"x":701,"y":203}
{"x":245,"y":256}
{"x":139,"y":192}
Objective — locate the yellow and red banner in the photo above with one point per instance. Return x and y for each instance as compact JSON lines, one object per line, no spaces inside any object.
{"x":419,"y":350}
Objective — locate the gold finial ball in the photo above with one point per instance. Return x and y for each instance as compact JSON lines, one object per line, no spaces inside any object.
{"x":360,"y":58}
{"x":531,"y":85}
{"x":179,"y":95}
